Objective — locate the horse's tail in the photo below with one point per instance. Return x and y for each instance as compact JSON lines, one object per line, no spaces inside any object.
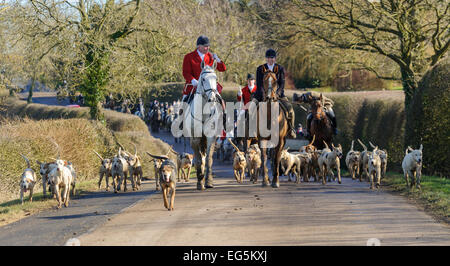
{"x":364,"y":146}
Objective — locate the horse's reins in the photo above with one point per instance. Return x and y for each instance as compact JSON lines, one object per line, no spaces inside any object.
{"x":322,"y":113}
{"x":203,"y":96}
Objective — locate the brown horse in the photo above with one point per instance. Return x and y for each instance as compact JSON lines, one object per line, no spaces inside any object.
{"x":270,"y":90}
{"x":320,"y":124}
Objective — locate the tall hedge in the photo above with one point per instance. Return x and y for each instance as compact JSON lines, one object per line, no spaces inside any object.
{"x":430,"y":125}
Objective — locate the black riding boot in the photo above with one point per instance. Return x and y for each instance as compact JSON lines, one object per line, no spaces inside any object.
{"x":332,"y":116}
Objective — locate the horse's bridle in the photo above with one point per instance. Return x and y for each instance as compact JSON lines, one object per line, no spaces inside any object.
{"x":267,"y":76}
{"x":314,"y":112}
{"x":203,"y":93}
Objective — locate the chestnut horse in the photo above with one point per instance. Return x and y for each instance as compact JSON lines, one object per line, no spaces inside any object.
{"x":320,"y":124}
{"x":270,"y":92}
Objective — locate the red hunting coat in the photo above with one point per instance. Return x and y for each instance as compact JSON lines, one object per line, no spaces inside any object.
{"x":192,"y":69}
{"x":246,"y":94}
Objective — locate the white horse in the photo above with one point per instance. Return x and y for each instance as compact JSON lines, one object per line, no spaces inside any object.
{"x":203,"y":120}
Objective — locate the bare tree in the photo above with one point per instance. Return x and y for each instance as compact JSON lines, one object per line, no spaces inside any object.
{"x":414,"y":34}
{"x":96,"y":27}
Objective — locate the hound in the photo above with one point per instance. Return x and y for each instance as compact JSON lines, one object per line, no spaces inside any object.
{"x":119,"y":172}
{"x":227,"y":149}
{"x":315,"y":154}
{"x":104,"y":171}
{"x":168,"y":178}
{"x":46,"y":168}
{"x":290,"y":162}
{"x":383,"y":157}
{"x":314,"y":166}
{"x":239,"y":163}
{"x":73,"y":183}
{"x":253,"y":157}
{"x":310,"y":147}
{"x":329,"y":160}
{"x":135,"y":169}
{"x":184,"y":165}
{"x":157,"y":166}
{"x":364,"y":161}
{"x":374,"y":163}
{"x":60,"y":177}
{"x":305,"y":164}
{"x":67,"y":164}
{"x":412,"y":166}
{"x":352,"y":162}
{"x":28,"y":180}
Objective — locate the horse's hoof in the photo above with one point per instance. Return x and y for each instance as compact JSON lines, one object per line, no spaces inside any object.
{"x":209,"y":186}
{"x":200,"y":187}
{"x":276,"y":185}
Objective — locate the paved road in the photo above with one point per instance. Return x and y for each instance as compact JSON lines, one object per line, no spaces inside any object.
{"x":48,"y":98}
{"x":55,"y":227}
{"x":248,"y":214}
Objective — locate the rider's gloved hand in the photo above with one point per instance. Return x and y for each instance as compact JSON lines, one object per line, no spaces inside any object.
{"x":194,"y":82}
{"x":216,"y":58}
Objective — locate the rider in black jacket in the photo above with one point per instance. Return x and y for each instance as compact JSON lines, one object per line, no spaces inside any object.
{"x":279,"y":71}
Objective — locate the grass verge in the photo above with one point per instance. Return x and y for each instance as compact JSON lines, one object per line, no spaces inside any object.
{"x":13,"y":210}
{"x":34,"y":129}
{"x":434,"y":195}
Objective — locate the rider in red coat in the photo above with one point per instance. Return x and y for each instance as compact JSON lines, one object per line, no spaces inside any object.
{"x":246,"y":93}
{"x":192,"y":65}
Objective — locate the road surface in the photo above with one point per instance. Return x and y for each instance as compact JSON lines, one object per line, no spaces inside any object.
{"x":248,"y":214}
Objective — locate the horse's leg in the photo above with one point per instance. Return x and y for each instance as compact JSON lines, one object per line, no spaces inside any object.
{"x":210,"y":144}
{"x":265,"y":172}
{"x":276,"y":160}
{"x":195,"y":144}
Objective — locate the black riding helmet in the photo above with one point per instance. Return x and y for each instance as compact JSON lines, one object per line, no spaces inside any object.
{"x":203,"y":40}
{"x":271,"y":53}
